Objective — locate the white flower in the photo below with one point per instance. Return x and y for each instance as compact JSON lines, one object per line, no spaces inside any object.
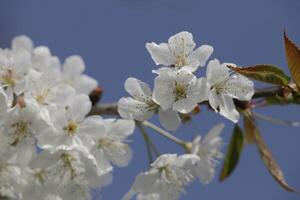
{"x":4,"y":105}
{"x":110,"y":143}
{"x":179,"y":52}
{"x":166,"y":179}
{"x":223,"y":87}
{"x":208,"y":150}
{"x":12,"y":180}
{"x":178,"y":90}
{"x":64,"y":168}
{"x":38,"y":185}
{"x":72,"y":75}
{"x":13,"y":69}
{"x":141,"y":105}
{"x":44,"y":62}
{"x":21,"y":125}
{"x":22,"y":43}
{"x":41,"y":88}
{"x":70,"y":128}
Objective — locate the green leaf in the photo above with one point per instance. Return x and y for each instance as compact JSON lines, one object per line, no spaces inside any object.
{"x":293,"y":59}
{"x":233,"y":153}
{"x":265,"y":73}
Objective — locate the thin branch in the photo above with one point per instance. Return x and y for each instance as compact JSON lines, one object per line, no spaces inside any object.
{"x":164,"y":133}
{"x":277,"y":121}
{"x":267,"y":92}
{"x":105,"y":109}
{"x":147,"y":142}
{"x":111,"y":108}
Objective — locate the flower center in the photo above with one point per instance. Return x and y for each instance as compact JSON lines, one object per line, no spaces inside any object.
{"x":71,"y":128}
{"x":68,"y":160}
{"x":40,"y":176}
{"x":180,"y":60}
{"x":21,"y":131}
{"x":180,"y":91}
{"x":152,"y":106}
{"x":41,"y":97}
{"x":175,"y":177}
{"x":8,"y":78}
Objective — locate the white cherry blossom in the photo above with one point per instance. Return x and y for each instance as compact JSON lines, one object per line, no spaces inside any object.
{"x":70,"y":126}
{"x":109,"y":144}
{"x":208,"y":150}
{"x":67,"y":169}
{"x":12,"y":180}
{"x":179,"y":52}
{"x":13,"y":69}
{"x":20,"y":126}
{"x":166,"y":179}
{"x":178,"y":90}
{"x":141,"y":105}
{"x":72,"y":74}
{"x":223,"y":87}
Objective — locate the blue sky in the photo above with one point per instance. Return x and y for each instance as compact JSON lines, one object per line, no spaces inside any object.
{"x":111,"y":36}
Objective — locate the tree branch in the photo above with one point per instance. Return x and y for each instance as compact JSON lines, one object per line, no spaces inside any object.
{"x":111,"y":108}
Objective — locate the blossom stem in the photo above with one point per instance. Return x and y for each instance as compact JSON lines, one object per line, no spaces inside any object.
{"x":277,"y":121}
{"x":164,"y":133}
{"x":147,"y":142}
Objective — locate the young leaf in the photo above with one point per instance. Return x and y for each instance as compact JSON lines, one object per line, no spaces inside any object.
{"x":293,"y":59}
{"x":233,"y":153}
{"x":270,"y":162}
{"x":249,"y":130}
{"x":264,"y":73}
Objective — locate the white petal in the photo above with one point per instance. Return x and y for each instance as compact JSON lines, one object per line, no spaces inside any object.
{"x":63,"y":95}
{"x":182,"y":43}
{"x":169,"y":119}
{"x":205,"y":172}
{"x":80,"y":107}
{"x":92,"y":127}
{"x":121,"y":155}
{"x":160,"y":53}
{"x":129,"y":108}
{"x":185,"y":105}
{"x":22,"y":62}
{"x":120,"y":128}
{"x":227,"y":108}
{"x":41,"y":57}
{"x":240,"y":87}
{"x":163,"y":93}
{"x":85,"y":84}
{"x":199,"y":92}
{"x":213,"y":133}
{"x":138,"y":89}
{"x":3,"y":103}
{"x":22,"y":43}
{"x":216,"y":73}
{"x":214,"y":99}
{"x":74,"y":65}
{"x":142,"y":184}
{"x":198,"y":57}
{"x":101,"y":159}
{"x":185,"y":77}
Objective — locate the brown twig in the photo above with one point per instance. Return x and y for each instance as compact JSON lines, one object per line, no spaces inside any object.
{"x":111,"y":108}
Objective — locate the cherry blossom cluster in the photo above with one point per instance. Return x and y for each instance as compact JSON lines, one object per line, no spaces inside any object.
{"x":177,"y":90}
{"x":49,"y":147}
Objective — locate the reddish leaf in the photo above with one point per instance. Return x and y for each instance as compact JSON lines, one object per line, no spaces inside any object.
{"x":293,"y":59}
